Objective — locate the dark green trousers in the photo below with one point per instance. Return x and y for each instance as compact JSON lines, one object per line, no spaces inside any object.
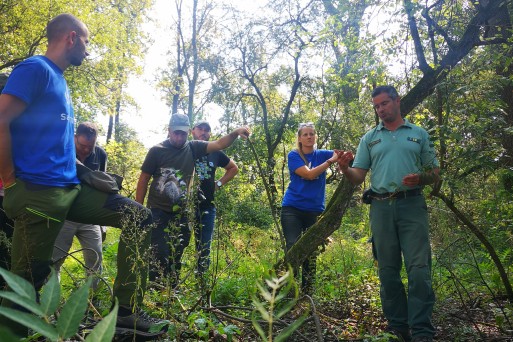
{"x":39,"y":213}
{"x":400,"y":229}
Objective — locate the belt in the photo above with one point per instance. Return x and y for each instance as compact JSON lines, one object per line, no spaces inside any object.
{"x":397,"y":195}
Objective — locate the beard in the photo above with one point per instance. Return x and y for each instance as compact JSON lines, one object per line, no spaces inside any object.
{"x":76,"y":61}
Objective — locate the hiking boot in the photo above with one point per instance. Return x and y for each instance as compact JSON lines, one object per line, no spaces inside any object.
{"x":398,"y":336}
{"x":139,"y":321}
{"x":423,"y":339}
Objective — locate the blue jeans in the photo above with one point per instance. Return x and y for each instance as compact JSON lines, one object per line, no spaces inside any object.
{"x":400,"y":229}
{"x":169,"y":238}
{"x":294,"y":223}
{"x":203,"y":232}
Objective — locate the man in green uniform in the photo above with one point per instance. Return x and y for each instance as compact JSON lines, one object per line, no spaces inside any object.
{"x":402,"y":159}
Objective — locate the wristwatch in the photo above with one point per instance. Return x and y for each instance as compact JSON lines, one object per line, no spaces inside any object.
{"x":219,"y":184}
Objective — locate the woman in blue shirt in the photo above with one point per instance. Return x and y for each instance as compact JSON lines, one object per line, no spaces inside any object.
{"x":305,"y":196}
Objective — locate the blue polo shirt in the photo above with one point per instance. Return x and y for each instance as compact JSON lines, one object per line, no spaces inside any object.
{"x":391,"y":155}
{"x":304,"y":194}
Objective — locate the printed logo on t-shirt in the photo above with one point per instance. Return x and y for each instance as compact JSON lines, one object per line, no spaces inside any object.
{"x":171,"y":185}
{"x":67,"y":117}
{"x":203,"y":168}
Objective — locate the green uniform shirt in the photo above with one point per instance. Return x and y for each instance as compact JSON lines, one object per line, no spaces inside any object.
{"x":392,"y":155}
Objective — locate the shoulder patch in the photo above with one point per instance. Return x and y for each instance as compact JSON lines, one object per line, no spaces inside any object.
{"x":372,"y":143}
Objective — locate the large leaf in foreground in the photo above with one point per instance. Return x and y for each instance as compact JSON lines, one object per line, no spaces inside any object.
{"x":50,"y":295}
{"x":18,"y":284}
{"x":30,"y":321}
{"x":23,"y":302}
{"x":73,"y":311}
{"x":104,"y":331}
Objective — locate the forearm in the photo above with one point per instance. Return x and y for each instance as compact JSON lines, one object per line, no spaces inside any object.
{"x":142,"y":188}
{"x":318,"y":170}
{"x":355,"y":176}
{"x":223,"y":142}
{"x":229,"y":173}
{"x":10,"y":108}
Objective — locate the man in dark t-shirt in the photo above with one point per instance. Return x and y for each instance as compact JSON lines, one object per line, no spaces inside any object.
{"x":206,"y":210}
{"x":170,"y":165}
{"x":90,"y":236}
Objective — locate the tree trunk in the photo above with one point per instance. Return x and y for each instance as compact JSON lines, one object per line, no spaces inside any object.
{"x":110,"y":128}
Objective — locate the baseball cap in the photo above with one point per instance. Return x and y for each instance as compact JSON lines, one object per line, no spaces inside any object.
{"x":202,"y":123}
{"x":179,"y":122}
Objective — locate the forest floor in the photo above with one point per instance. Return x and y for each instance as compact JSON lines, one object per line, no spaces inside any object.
{"x":333,"y":322}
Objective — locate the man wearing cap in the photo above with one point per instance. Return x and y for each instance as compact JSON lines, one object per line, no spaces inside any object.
{"x":206,"y":210}
{"x":170,"y":164}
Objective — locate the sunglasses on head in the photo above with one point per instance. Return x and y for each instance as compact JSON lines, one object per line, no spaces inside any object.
{"x":306,"y":124}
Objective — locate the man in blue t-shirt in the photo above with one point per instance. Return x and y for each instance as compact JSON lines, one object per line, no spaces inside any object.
{"x":42,"y":190}
{"x":206,"y":210}
{"x":402,"y":161}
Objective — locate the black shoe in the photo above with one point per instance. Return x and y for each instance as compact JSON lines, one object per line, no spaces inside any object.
{"x":141,"y":322}
{"x":398,"y":335}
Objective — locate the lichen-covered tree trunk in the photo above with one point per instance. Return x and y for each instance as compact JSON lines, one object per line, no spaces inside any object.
{"x":317,"y":234}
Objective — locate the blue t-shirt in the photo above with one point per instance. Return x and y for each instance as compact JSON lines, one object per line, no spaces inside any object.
{"x":303,"y":194}
{"x":43,"y":148}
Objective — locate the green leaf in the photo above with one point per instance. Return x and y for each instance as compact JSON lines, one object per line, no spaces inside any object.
{"x":73,"y":311}
{"x":231,"y":329}
{"x":7,"y":336}
{"x":258,"y":328}
{"x":272,"y":283}
{"x":30,"y":321}
{"x":285,"y":333}
{"x":155,"y":328}
{"x":284,"y":277}
{"x":23,"y":301}
{"x":286,"y":308}
{"x":18,"y":284}
{"x":261,"y":308}
{"x":265,"y":293}
{"x":104,"y":331}
{"x":284,"y":292}
{"x":51,"y":294}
